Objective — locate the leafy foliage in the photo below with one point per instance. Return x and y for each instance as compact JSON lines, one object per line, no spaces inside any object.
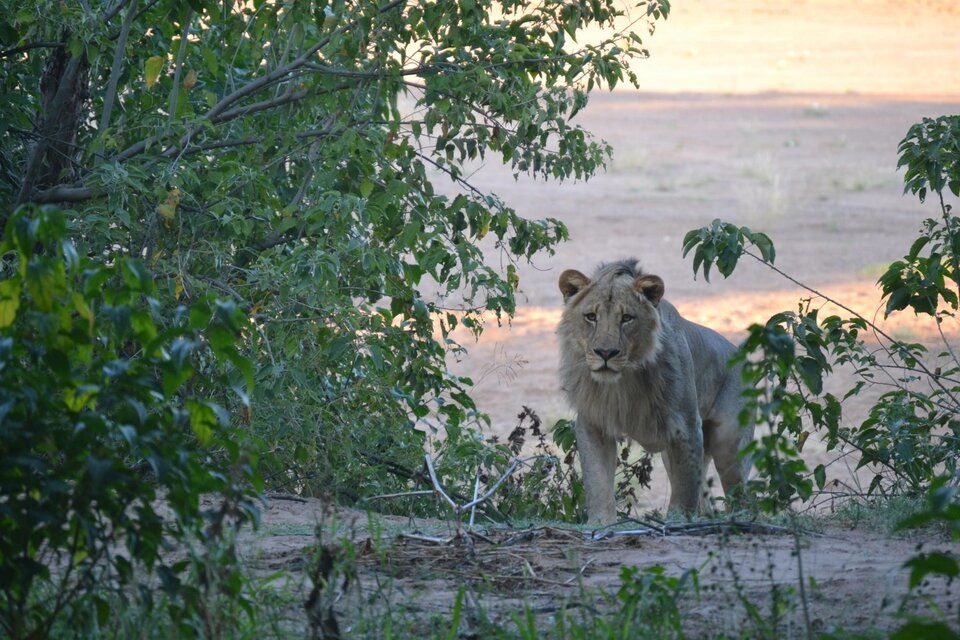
{"x":931,"y":153}
{"x":310,"y":160}
{"x":98,"y":420}
{"x":911,"y":437}
{"x":722,"y":244}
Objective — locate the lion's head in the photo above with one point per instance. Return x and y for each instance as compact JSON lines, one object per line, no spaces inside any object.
{"x":610,"y":322}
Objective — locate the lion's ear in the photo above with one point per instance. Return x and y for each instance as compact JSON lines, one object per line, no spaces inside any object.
{"x":651,"y":287}
{"x":572,"y":281}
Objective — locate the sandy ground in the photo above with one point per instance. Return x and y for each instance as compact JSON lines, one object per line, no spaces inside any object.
{"x":784,"y":116}
{"x":410,"y":571}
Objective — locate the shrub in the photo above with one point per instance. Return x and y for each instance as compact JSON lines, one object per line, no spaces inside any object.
{"x":911,"y":438}
{"x":105,"y":449}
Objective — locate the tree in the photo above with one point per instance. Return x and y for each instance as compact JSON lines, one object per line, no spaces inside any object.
{"x":285,"y":155}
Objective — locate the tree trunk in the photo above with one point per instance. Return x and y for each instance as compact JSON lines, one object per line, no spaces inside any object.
{"x":64,"y":91}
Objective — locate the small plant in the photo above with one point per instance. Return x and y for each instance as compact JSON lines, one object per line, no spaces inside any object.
{"x":647,"y":605}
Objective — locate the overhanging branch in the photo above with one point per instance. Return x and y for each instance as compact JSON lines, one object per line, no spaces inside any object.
{"x":28,"y":47}
{"x":63,"y":193}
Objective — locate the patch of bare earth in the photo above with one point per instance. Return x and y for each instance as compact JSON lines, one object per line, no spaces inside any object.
{"x":410,"y":571}
{"x":784,"y":116}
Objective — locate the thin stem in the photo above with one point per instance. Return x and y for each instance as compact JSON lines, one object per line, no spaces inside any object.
{"x":493,"y":489}
{"x":874,"y":327}
{"x":800,"y":579}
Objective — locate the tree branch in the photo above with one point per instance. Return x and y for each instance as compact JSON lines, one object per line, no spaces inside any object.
{"x":175,"y":92}
{"x":280,"y":72}
{"x":422,"y":70}
{"x":219,"y":113}
{"x":27,"y":47}
{"x":64,"y":193}
{"x":930,"y":374}
{"x":147,"y":7}
{"x":115,"y":9}
{"x":35,"y":158}
{"x":134,"y":149}
{"x":223,"y":144}
{"x":263,"y":105}
{"x":117,"y":69}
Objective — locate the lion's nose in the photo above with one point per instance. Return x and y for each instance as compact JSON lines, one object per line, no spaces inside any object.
{"x":606,"y":354}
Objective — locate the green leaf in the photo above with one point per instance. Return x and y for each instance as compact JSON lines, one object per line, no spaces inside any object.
{"x":820,"y":476}
{"x":937,"y":562}
{"x":366,"y":188}
{"x":151,"y":70}
{"x":9,"y":302}
{"x":925,"y":630}
{"x":45,"y":282}
{"x":203,"y":421}
{"x":767,"y":250}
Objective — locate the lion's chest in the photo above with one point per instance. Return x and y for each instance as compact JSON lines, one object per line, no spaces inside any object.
{"x":623,"y":410}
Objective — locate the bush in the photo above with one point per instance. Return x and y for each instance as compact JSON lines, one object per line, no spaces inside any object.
{"x":105,"y":448}
{"x":310,"y":160}
{"x":911,"y":438}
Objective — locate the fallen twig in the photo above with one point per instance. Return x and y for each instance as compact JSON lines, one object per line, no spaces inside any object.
{"x":580,"y":572}
{"x":284,"y":496}
{"x":421,"y":538}
{"x":402,"y":494}
{"x":660,"y":528}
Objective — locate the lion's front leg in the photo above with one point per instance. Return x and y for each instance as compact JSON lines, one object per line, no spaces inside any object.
{"x":683,"y":459}
{"x":598,"y":462}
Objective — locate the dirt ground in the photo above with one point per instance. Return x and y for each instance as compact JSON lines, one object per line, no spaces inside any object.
{"x":784,"y":116}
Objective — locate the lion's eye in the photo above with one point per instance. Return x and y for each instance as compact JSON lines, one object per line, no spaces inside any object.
{"x":590,"y":317}
{"x":625,"y":318}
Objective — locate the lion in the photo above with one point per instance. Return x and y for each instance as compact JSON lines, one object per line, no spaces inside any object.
{"x":632,"y":366}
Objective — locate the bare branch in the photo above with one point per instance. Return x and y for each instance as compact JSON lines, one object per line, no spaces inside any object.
{"x":64,"y":193}
{"x":438,"y":487}
{"x":117,"y":68}
{"x":496,"y":485}
{"x":175,"y":92}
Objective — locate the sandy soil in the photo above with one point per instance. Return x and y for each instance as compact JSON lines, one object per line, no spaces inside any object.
{"x":784,"y":116}
{"x":409,"y":571}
